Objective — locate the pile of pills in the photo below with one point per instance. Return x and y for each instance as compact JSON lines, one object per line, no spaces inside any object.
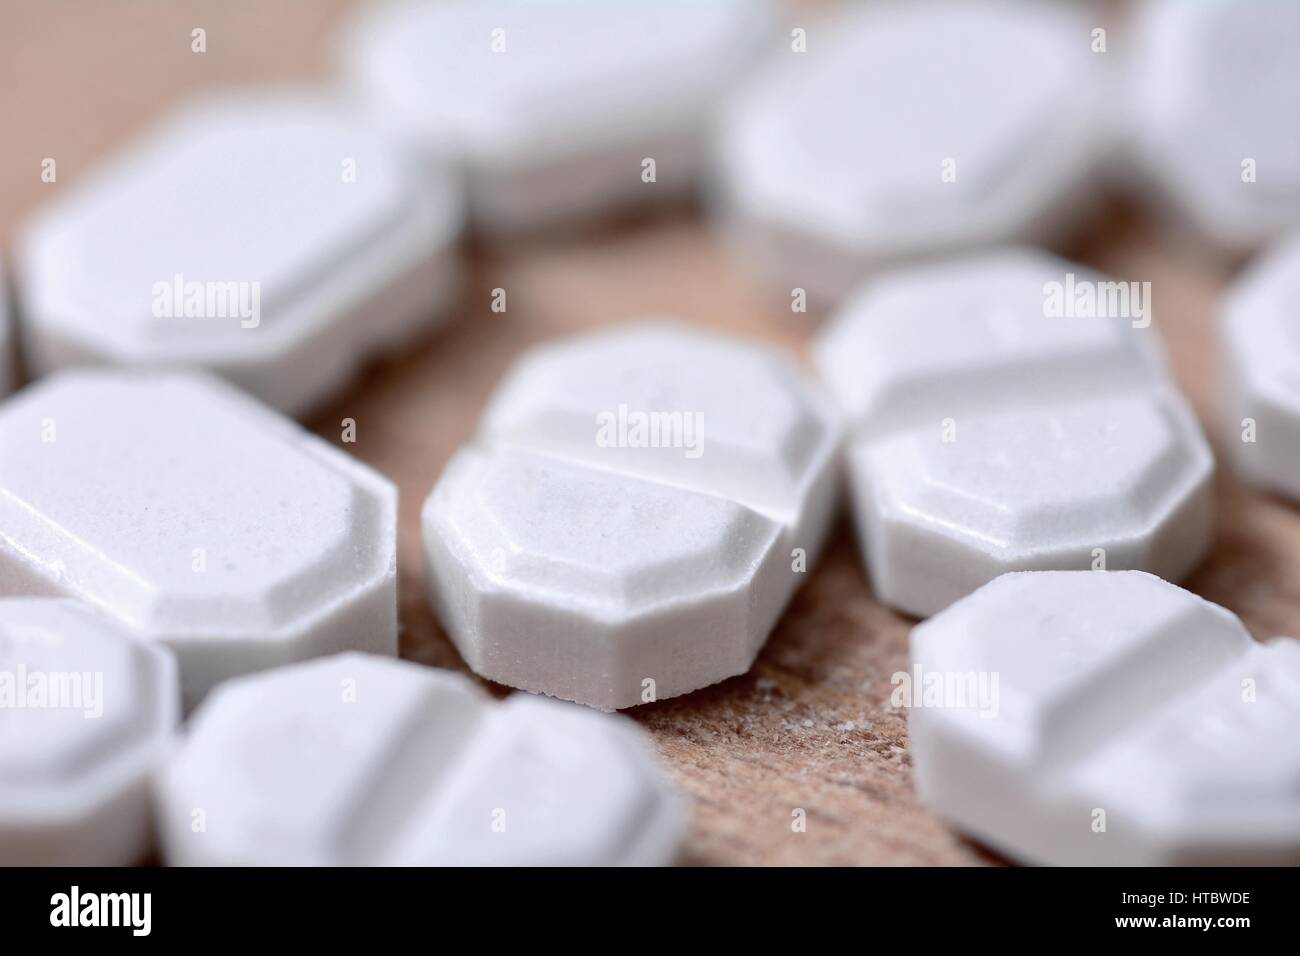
{"x":640,"y":504}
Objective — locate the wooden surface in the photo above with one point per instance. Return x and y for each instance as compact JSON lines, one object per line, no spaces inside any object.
{"x":810,"y":726}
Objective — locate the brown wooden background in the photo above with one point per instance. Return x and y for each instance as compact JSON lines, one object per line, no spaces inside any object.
{"x":810,"y":726}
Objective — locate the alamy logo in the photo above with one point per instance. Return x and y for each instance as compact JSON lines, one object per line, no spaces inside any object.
{"x":1077,"y":298}
{"x":23,"y":689}
{"x":74,"y":908}
{"x":628,"y":428}
{"x":960,"y":690}
{"x":182,"y":299}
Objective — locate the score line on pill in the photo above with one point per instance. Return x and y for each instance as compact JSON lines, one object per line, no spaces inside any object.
{"x":1135,"y":724}
{"x":360,"y":760}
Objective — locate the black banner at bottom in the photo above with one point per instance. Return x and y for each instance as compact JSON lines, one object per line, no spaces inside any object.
{"x":337,"y":906}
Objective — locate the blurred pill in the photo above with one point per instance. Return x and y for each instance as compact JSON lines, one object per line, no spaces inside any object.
{"x":1010,"y":411}
{"x":555,"y":109}
{"x":8,"y":363}
{"x":268,"y":237}
{"x":908,"y":129}
{"x":639,"y":508}
{"x":192,"y":515}
{"x":87,"y":714}
{"x":1215,"y":116}
{"x":1260,"y":331}
{"x":357,"y":760}
{"x":1107,"y":719}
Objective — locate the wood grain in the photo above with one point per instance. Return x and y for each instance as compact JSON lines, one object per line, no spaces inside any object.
{"x":810,"y":726}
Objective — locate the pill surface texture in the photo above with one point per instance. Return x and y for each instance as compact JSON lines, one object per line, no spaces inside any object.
{"x":1107,"y":718}
{"x":1260,"y":332}
{"x":87,"y":712}
{"x":195,"y":516}
{"x":270,"y":238}
{"x":1215,"y":92}
{"x":362,"y":760}
{"x":1006,"y":415}
{"x":636,"y":512}
{"x":555,"y":109}
{"x":908,"y":129}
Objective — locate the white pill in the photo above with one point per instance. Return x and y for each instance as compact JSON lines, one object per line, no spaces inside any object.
{"x":1000,"y":422}
{"x":87,"y":714}
{"x":1214,"y":101}
{"x":1260,"y":332}
{"x":636,"y":513}
{"x":1090,"y":718}
{"x":270,"y":238}
{"x":555,"y":109}
{"x":196,"y":517}
{"x":909,"y":129}
{"x":359,"y":760}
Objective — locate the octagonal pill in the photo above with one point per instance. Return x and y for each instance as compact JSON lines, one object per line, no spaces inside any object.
{"x":1214,"y":96}
{"x":269,"y":237}
{"x":557,"y":109}
{"x":638,"y":509}
{"x":195,"y":516}
{"x":86,"y":715}
{"x":360,"y":760}
{"x":909,"y":129}
{"x":1259,"y":328}
{"x":1011,"y":411}
{"x":1103,"y":697}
